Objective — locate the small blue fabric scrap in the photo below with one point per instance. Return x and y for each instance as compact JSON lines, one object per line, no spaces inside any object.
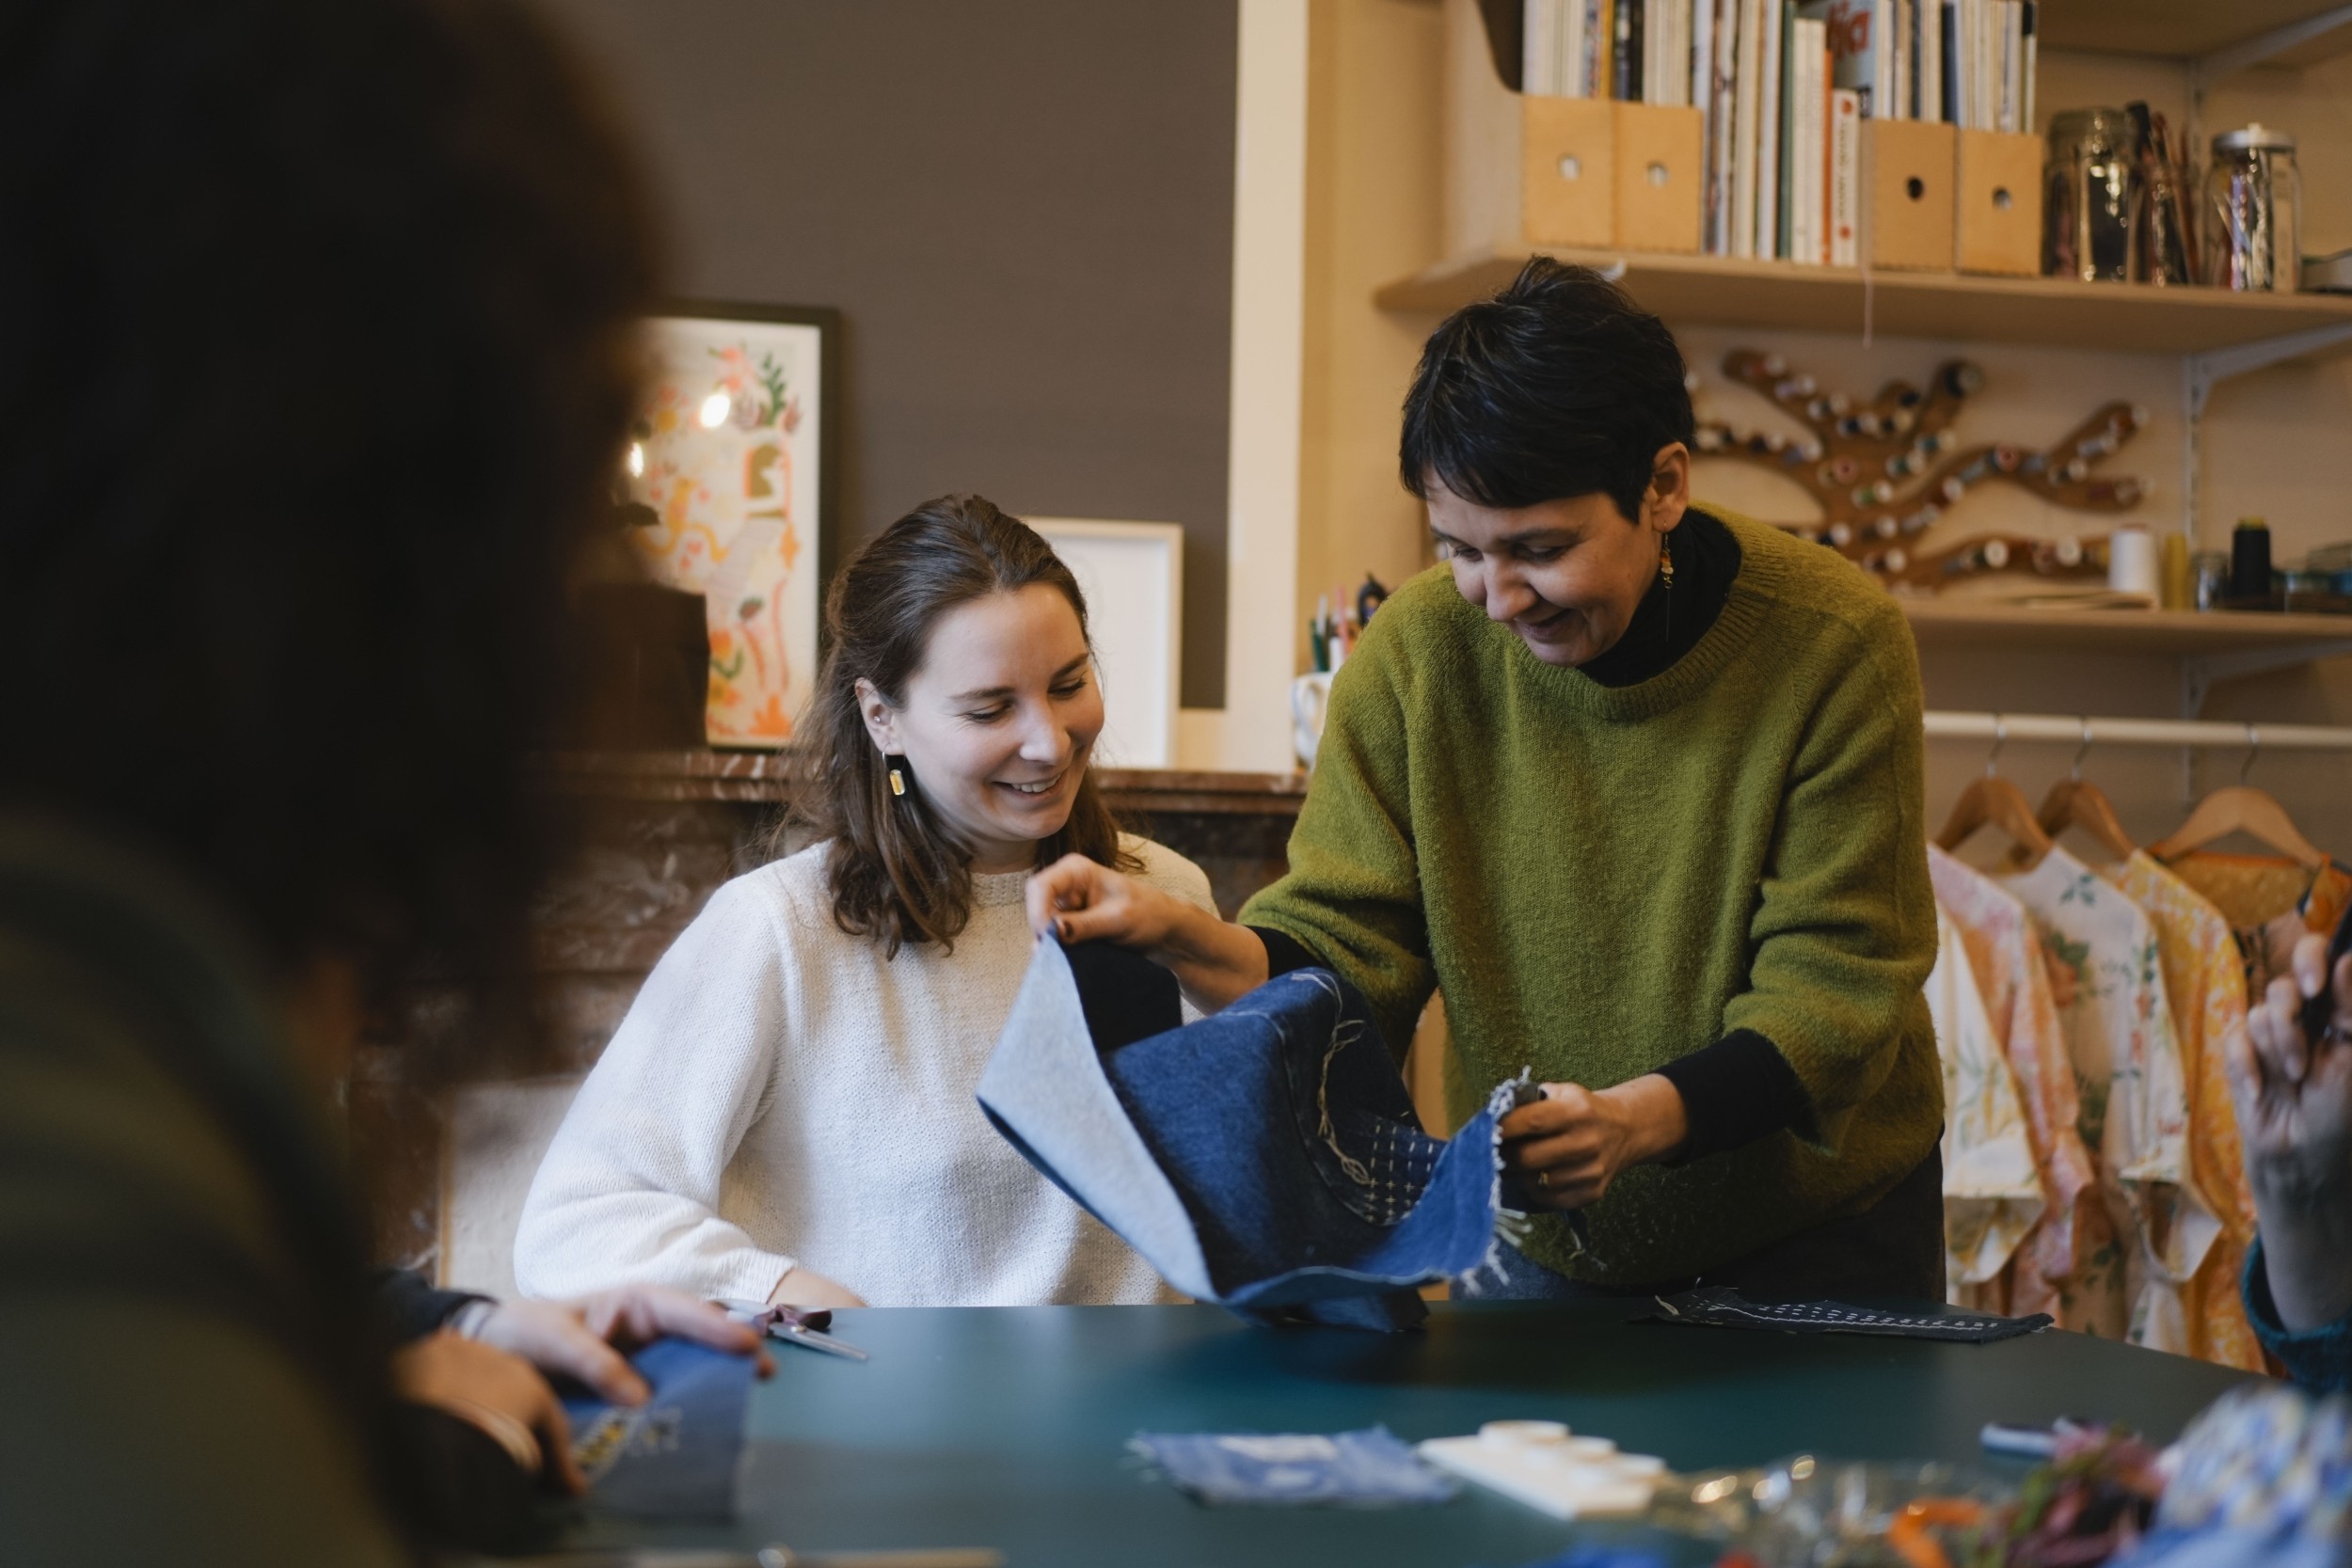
{"x":1267,"y":1158}
{"x":1371,"y":1468}
{"x":677,"y":1455}
{"x":1603,"y":1557}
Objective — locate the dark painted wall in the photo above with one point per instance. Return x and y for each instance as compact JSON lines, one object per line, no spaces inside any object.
{"x":1023,"y":210}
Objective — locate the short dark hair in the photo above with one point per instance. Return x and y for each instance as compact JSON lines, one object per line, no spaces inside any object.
{"x":1558,"y":387}
{"x":319,"y":336}
{"x":899,"y":875}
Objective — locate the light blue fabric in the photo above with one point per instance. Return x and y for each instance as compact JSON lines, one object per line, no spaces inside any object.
{"x":1367,"y":1469}
{"x":1267,"y":1158}
{"x":2263,"y":1480}
{"x":677,"y":1455}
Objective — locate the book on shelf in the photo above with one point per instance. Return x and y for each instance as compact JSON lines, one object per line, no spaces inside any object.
{"x":1808,"y":140}
{"x":1781,"y":87}
{"x":1770,"y":123}
{"x":1845,"y":178}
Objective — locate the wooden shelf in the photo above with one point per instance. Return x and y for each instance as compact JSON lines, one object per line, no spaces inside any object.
{"x":2180,"y":632}
{"x":2132,"y":318}
{"x":2216,"y":647}
{"x":2175,"y":29}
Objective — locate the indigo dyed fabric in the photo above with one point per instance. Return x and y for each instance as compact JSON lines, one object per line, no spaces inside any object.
{"x":1371,"y":1468}
{"x":1267,"y":1158}
{"x":676,"y":1456}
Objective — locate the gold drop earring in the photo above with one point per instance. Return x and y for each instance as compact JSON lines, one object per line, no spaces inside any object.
{"x":1666,"y":561}
{"x":898,"y":779}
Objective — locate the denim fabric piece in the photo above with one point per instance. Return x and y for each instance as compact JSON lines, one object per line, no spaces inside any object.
{"x":1267,"y":1158}
{"x":1365,"y":1469}
{"x":676,"y":1456}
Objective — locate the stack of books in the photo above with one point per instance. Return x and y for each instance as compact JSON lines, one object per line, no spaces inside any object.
{"x":1784,"y":86}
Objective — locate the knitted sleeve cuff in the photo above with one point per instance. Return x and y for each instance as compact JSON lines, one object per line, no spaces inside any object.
{"x":1285,"y":952}
{"x":2319,"y":1359}
{"x":1734,"y":1091}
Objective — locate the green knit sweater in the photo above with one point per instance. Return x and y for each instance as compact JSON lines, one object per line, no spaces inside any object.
{"x":1602,"y":879}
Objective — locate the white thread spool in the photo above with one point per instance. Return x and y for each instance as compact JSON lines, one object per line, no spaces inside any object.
{"x":2132,"y":563}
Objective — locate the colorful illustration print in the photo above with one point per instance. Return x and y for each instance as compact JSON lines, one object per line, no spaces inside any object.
{"x":1992,"y":1195}
{"x":2206,"y":985}
{"x":2072,"y":1239}
{"x":726,"y":453}
{"x":2134,"y":1095}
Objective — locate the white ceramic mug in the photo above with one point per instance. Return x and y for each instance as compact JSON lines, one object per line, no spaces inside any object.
{"x":1311,"y":697}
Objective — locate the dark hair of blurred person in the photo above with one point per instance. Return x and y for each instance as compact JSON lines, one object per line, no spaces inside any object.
{"x":315,"y":351}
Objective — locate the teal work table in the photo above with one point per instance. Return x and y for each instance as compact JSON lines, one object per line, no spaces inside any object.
{"x":1006,"y":1427}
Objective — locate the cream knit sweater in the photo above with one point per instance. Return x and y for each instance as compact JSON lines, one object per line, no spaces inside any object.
{"x":779,"y":1094}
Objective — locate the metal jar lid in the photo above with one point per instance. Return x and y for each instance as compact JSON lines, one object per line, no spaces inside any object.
{"x":2110,"y":129}
{"x":2254,"y":138}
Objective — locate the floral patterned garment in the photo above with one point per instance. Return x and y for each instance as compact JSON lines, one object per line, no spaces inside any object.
{"x":2109,"y":980}
{"x":2206,"y":983}
{"x":1993,"y":1193}
{"x":2058,"y":1268}
{"x":2269,"y":901}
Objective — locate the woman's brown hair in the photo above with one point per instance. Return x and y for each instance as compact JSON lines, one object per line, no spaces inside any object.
{"x":899,"y":874}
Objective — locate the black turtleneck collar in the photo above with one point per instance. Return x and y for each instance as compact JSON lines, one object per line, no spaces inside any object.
{"x":1669,"y":622}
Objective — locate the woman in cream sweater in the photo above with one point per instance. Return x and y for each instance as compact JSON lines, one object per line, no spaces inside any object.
{"x":786,"y":1113}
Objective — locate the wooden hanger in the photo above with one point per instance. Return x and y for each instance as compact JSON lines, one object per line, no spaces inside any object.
{"x":1993,"y":802}
{"x":2074,"y":802}
{"x":2240,"y":808}
{"x":2080,"y":804}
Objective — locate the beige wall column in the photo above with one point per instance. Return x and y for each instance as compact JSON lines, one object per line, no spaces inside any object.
{"x":1262,"y":541}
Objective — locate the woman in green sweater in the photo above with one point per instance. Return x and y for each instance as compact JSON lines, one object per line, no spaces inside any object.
{"x":1638,"y":788}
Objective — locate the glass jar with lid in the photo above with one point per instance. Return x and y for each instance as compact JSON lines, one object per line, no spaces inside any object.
{"x":2091,"y":197}
{"x":2253,"y":211}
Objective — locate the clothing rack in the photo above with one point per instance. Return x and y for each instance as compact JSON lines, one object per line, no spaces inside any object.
{"x":2090,"y":731}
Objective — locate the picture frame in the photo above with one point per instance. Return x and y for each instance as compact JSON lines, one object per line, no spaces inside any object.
{"x":1133,"y":576}
{"x":735,"y":451}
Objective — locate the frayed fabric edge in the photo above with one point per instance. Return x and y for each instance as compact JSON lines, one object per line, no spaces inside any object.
{"x":1511,"y":1225}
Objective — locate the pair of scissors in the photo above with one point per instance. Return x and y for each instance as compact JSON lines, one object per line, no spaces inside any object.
{"x":798,"y":1325}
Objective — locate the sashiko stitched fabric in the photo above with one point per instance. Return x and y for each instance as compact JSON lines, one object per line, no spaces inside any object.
{"x":1267,"y":1158}
{"x":2206,"y":984}
{"x":1991,"y":1187}
{"x":2135,"y":1101}
{"x":2072,"y":1241}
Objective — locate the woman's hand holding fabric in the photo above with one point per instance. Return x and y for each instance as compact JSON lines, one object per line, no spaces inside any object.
{"x":1570,"y":1145}
{"x":2295,"y":1116}
{"x":1214,"y":961}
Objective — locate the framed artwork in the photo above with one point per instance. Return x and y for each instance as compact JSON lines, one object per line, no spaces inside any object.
{"x":1133,"y":576}
{"x":735,"y":454}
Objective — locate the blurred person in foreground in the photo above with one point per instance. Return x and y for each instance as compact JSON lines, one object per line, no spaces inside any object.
{"x":316,"y":347}
{"x":2294,"y":1113}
